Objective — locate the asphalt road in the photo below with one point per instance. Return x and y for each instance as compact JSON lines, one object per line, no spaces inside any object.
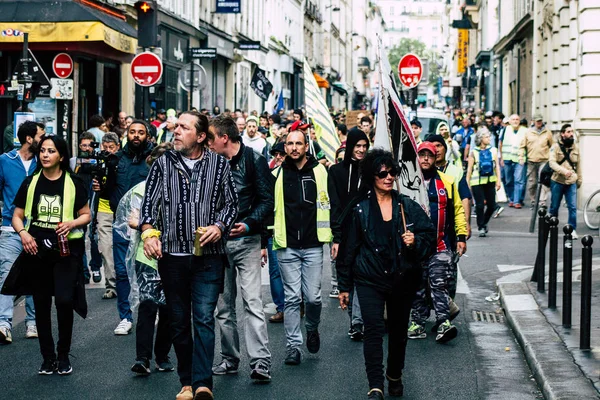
{"x":483,"y":362}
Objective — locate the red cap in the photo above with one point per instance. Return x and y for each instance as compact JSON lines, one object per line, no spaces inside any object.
{"x":297,"y":126}
{"x":427,"y":146}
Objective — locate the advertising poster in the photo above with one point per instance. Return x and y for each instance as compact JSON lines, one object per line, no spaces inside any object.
{"x":45,"y":112}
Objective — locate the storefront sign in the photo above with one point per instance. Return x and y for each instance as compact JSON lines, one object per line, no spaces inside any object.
{"x":224,"y":47}
{"x":228,"y":6}
{"x":462,"y":51}
{"x":249,"y":45}
{"x":202,"y":53}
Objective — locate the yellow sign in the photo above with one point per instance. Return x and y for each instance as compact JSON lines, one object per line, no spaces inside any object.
{"x":462,"y":51}
{"x":73,"y":32}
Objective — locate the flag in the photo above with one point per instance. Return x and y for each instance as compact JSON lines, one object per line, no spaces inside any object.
{"x":394,"y":133}
{"x":260,"y":84}
{"x":280,"y":105}
{"x":318,"y":113}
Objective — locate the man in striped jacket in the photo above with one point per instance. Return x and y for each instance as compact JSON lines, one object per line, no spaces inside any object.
{"x":188,"y":188}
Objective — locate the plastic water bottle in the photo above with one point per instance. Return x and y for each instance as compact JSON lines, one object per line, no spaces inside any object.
{"x":63,"y":245}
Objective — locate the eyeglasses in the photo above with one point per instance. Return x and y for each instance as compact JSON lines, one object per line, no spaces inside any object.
{"x":384,"y":174}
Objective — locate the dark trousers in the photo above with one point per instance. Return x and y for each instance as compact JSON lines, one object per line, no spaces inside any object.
{"x":192,"y":285}
{"x":144,"y":331}
{"x":43,"y":320}
{"x":485,"y":196}
{"x":373,"y":302}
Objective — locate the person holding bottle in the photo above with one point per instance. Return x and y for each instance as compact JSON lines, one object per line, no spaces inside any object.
{"x":51,"y":210}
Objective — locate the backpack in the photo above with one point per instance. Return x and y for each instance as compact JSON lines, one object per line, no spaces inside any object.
{"x":486,"y":163}
{"x":546,"y":174}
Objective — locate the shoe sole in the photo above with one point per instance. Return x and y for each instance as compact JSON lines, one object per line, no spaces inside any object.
{"x":447,"y":336}
{"x":165,"y":369}
{"x":140,"y":369}
{"x":260,"y":378}
{"x":277,"y":321}
{"x":66,"y":372}
{"x":31,"y":336}
{"x":225,"y":373}
{"x":122,"y":333}
{"x":333,"y":296}
{"x":203,"y":396}
{"x":422,"y":336}
{"x":45,"y":372}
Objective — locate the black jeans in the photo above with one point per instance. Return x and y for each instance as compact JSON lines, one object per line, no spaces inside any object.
{"x":192,"y":285}
{"x":373,"y":302}
{"x":485,"y":196}
{"x":144,"y":331}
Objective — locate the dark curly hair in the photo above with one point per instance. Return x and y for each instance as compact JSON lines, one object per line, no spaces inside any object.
{"x":372,"y":163}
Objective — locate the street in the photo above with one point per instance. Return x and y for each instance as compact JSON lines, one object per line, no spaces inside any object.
{"x":483,"y":362}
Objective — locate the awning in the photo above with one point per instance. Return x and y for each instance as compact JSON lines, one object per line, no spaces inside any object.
{"x":66,"y":21}
{"x":321,"y":82}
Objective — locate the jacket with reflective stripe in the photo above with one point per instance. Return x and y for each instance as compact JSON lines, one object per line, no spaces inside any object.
{"x":511,"y":143}
{"x":475,"y":178}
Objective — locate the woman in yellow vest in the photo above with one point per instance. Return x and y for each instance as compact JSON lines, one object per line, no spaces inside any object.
{"x":51,"y":210}
{"x":483,"y":175}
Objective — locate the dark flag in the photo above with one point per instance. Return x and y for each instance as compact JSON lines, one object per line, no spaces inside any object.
{"x":260,"y":84}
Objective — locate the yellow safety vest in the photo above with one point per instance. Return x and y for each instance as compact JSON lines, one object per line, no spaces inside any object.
{"x":475,"y":178}
{"x":511,"y":143}
{"x":67,"y":206}
{"x":323,"y":206}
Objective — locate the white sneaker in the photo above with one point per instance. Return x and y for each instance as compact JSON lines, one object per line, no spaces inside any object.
{"x":31,"y":332}
{"x":124,"y":327}
{"x":574,"y":235}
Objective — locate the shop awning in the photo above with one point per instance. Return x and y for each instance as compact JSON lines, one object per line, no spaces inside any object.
{"x":321,"y":82}
{"x":66,"y":21}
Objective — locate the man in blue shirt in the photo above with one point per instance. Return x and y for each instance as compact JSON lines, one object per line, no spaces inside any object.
{"x":14,"y":168}
{"x":463,"y":137}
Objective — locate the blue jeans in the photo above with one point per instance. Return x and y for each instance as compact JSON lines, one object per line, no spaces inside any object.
{"x":123,"y":287}
{"x":276,"y":284}
{"x":301,"y":271}
{"x":10,"y":248}
{"x":514,"y":185}
{"x":520,"y":183}
{"x":570,"y":193}
{"x":192,"y":286}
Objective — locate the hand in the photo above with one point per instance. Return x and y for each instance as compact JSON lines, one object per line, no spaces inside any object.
{"x":498,"y":185}
{"x":409,"y":239}
{"x":334,"y":250}
{"x":238,"y":230}
{"x":521,"y":161}
{"x":153,"y":248}
{"x":469,"y":232}
{"x":29,"y":244}
{"x":95,"y":185}
{"x":212,"y":235}
{"x":263,"y":257}
{"x":502,"y":163}
{"x":65,"y":227}
{"x":344,"y":298}
{"x":568,"y":174}
{"x":461,"y":248}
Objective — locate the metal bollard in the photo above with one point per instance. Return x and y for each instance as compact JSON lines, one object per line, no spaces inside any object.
{"x":567,"y":276}
{"x":553,"y":263}
{"x":586,"y":292}
{"x":541,"y":214}
{"x":540,"y":262}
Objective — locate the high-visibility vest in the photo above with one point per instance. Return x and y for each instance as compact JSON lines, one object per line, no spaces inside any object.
{"x":511,"y":142}
{"x":68,"y":203}
{"x":323,"y":206}
{"x":475,"y":178}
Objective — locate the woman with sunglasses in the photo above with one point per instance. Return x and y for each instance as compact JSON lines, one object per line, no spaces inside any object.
{"x":51,"y":212}
{"x":388,"y":237}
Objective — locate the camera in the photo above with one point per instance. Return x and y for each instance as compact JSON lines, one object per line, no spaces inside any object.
{"x":96,"y":163}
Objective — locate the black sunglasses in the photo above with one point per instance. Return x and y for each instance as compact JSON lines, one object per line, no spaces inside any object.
{"x":383,"y":174}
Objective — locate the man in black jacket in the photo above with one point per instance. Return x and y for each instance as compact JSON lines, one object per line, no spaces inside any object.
{"x":254,"y":187}
{"x":343,"y":184}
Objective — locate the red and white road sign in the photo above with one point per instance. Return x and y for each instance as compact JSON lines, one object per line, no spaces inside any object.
{"x":146,"y":69}
{"x":410,"y":70}
{"x":62,"y":65}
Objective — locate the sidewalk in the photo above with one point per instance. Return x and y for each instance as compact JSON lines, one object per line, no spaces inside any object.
{"x":552,"y":352}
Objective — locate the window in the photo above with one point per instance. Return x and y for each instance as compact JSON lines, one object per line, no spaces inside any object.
{"x":420,"y":10}
{"x":392,"y":11}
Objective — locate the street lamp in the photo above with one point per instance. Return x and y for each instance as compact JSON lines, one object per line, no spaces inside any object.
{"x":336,"y":8}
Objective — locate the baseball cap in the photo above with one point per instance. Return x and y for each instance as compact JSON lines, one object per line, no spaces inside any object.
{"x":538,"y":117}
{"x":417,"y":123}
{"x":161,"y":111}
{"x":427,"y":146}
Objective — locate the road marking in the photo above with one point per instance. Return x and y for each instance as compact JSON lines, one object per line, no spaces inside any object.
{"x":507,"y":268}
{"x":461,"y":285}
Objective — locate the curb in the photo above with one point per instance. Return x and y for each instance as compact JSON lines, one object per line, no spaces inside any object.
{"x":551,"y":363}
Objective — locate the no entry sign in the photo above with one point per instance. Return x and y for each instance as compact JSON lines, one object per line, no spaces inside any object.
{"x":410,"y":70}
{"x":146,"y":69}
{"x":62,"y":65}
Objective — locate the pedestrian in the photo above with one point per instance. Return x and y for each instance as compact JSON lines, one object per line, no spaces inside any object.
{"x":53,"y":245}
{"x":343,"y":185}
{"x":97,"y":126}
{"x":448,"y":216}
{"x":514,"y":173}
{"x":252,"y":138}
{"x":453,"y":148}
{"x":483,"y":174}
{"x":535,"y":151}
{"x":241,"y":125}
{"x":463,"y":138}
{"x":342,"y":132}
{"x":121,"y":127}
{"x":161,"y":117}
{"x":417,"y":128}
{"x":565,"y":161}
{"x":144,"y":277}
{"x":389,"y":236}
{"x":131,"y":169}
{"x":254,"y":187}
{"x":190,"y":187}
{"x":497,"y":129}
{"x":165,"y":132}
{"x":15,"y":167}
{"x":301,"y":228}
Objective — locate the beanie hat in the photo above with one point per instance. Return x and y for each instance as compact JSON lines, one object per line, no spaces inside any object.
{"x":437,"y":139}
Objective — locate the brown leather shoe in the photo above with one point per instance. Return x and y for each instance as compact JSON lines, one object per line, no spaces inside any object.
{"x":203,"y":393}
{"x":277,"y":317}
{"x":185,"y":394}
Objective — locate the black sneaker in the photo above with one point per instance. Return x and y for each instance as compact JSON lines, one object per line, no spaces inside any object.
{"x":64,"y":366}
{"x":165,"y":365}
{"x":395,"y":387}
{"x":48,"y":367}
{"x":260,"y":372}
{"x":313,"y":341}
{"x":375,"y":394}
{"x":293,"y":357}
{"x":356,"y":334}
{"x":141,"y":367}
{"x":96,"y":276}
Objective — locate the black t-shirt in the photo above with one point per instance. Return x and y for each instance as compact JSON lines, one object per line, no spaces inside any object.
{"x":46,"y":211}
